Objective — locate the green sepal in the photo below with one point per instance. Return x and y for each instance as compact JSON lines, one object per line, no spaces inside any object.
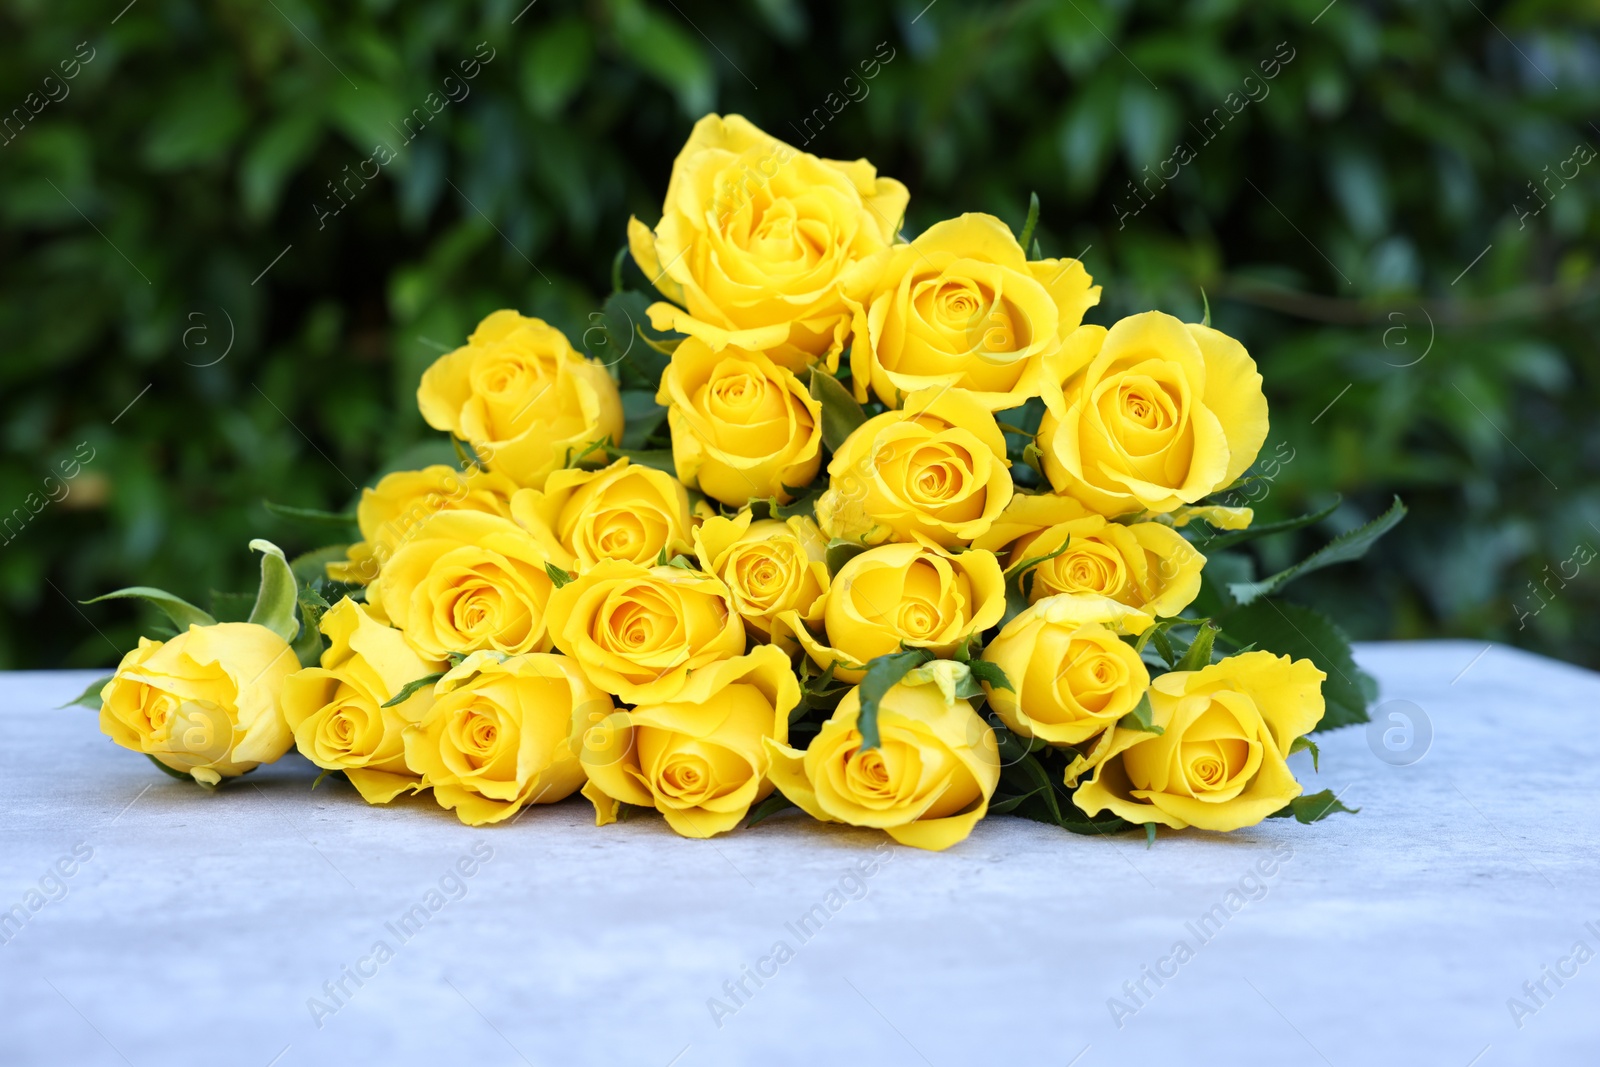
{"x":883,"y":672}
{"x":410,"y":688}
{"x":182,"y":613}
{"x":840,"y":412}
{"x":90,"y":697}
{"x":1031,"y":223}
{"x":1150,"y":827}
{"x":164,"y":769}
{"x":1199,"y":652}
{"x":309,"y":644}
{"x":277,"y":598}
{"x":560,"y":577}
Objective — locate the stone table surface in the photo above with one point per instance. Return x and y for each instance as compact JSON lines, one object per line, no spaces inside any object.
{"x":1451,"y":922}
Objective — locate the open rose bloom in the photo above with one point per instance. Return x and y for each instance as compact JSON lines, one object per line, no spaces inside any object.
{"x":989,"y":561}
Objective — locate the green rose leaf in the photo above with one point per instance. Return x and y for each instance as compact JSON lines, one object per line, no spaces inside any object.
{"x":1293,"y":630}
{"x":840,"y":412}
{"x":410,"y":688}
{"x":1313,"y":808}
{"x":1343,"y":549}
{"x":90,"y":697}
{"x":182,"y":613}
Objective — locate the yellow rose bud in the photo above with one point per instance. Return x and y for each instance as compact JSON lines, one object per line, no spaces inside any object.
{"x":623,"y":512}
{"x":505,"y":733}
{"x":336,"y":710}
{"x":770,"y":567}
{"x":963,"y":307}
{"x":927,"y":783}
{"x":465,"y":581}
{"x":1071,"y":676}
{"x":1151,"y":414}
{"x":936,"y":469}
{"x":754,"y":238}
{"x":638,"y":631}
{"x":389,"y":511}
{"x":205,"y":703}
{"x":742,"y":427}
{"x":523,"y":397}
{"x":699,"y":757}
{"x":1220,"y":762}
{"x":1145,"y":565}
{"x":914,"y":596}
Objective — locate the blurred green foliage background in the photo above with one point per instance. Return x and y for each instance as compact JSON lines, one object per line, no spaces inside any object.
{"x":1398,"y":222}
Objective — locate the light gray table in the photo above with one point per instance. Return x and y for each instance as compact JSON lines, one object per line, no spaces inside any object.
{"x":201,"y":927}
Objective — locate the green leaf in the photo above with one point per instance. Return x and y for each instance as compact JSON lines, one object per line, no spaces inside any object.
{"x":620,"y":336}
{"x":1141,"y":717}
{"x":840,"y":412}
{"x":466,"y":455}
{"x":1305,"y":744}
{"x":340,"y":520}
{"x":990,"y":674}
{"x":90,"y":697}
{"x":1199,"y":653}
{"x":182,"y":613}
{"x":559,"y":577}
{"x":410,"y":688}
{"x":555,"y":65}
{"x":1313,"y":808}
{"x":231,"y":607}
{"x":842,"y":552}
{"x":276,"y":599}
{"x":1037,"y":777}
{"x":641,"y":417}
{"x":1150,"y":827}
{"x":883,"y":672}
{"x":1031,"y":223}
{"x":309,"y":568}
{"x":658,"y":458}
{"x":1294,"y":630}
{"x":771,"y":806}
{"x":1234,"y":537}
{"x":1342,"y":549}
{"x":1207,"y":302}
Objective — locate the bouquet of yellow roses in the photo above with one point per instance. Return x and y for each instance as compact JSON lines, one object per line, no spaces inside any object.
{"x":719,"y":568}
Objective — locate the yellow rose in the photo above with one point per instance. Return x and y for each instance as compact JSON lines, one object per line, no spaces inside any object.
{"x":937,"y":468}
{"x":505,"y":733}
{"x":754,"y":238}
{"x":465,"y":581}
{"x":742,"y":427}
{"x":913,"y":596}
{"x":1220,"y":762}
{"x":389,"y":511}
{"x":1146,"y":565}
{"x":1071,"y":676}
{"x":963,"y":307}
{"x":639,"y":632}
{"x":770,"y":567}
{"x":524,"y":398}
{"x":1152,"y":413}
{"x":336,"y":710}
{"x":621,"y":512}
{"x":927,"y":783}
{"x":204,"y":703}
{"x":697,"y":758}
